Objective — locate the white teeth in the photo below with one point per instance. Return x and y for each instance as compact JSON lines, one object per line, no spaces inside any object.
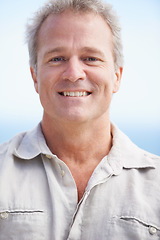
{"x":74,"y":94}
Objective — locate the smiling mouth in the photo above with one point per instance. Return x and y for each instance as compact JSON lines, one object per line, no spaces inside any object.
{"x":75,"y":94}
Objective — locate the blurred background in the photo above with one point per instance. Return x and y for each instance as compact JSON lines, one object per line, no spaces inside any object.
{"x":135,"y":108}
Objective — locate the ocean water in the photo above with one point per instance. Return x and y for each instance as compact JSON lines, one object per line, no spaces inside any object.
{"x":146,"y":137}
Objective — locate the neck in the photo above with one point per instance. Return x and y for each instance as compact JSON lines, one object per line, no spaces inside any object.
{"x":78,"y":142}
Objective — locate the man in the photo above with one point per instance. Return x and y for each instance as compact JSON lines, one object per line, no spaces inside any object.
{"x":76,"y":175}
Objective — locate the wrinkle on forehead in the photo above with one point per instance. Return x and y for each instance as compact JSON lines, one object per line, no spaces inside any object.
{"x":54,"y":19}
{"x":75,"y":32}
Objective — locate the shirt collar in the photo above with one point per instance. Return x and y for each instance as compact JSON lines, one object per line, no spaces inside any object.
{"x":123,"y":154}
{"x":32,"y":144}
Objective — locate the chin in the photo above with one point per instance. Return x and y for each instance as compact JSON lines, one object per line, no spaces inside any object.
{"x":75,"y":119}
{"x":77,"y":115}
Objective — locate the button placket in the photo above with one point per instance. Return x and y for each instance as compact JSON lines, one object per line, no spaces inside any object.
{"x":62,"y":172}
{"x":4,"y":215}
{"x":152,"y":230}
{"x":48,"y":156}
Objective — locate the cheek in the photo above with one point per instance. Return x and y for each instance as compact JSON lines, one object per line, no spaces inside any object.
{"x":47,"y":79}
{"x":104,"y":80}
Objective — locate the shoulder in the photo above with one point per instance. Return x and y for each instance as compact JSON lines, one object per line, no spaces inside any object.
{"x":25,"y":145}
{"x":130,"y":154}
{"x":21,"y":142}
{"x":7,"y":150}
{"x":142,"y":158}
{"x":151,"y":155}
{"x":11,"y":144}
{"x":154,"y":159}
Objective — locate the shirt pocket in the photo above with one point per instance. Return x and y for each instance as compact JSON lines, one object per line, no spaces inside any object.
{"x":22,"y":224}
{"x":138,"y":228}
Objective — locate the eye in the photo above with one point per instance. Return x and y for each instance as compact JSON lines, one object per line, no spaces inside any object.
{"x":91,"y":59}
{"x":58,"y":59}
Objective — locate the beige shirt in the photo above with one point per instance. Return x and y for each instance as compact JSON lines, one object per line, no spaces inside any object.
{"x":38,"y":195}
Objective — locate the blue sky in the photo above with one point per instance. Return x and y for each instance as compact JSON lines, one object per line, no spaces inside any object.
{"x":135,"y":109}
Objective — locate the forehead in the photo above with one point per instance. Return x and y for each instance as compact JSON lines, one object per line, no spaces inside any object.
{"x":69,"y":26}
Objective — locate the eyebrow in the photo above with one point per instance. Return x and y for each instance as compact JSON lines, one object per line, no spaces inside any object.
{"x":93,"y":50}
{"x":90,"y":50}
{"x":55,"y":50}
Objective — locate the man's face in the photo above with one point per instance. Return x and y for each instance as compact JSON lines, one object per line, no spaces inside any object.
{"x":75,"y":67}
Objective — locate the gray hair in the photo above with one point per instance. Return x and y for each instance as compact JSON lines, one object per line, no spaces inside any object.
{"x":58,"y":6}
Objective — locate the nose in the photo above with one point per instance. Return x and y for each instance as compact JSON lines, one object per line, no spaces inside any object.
{"x":74,"y":70}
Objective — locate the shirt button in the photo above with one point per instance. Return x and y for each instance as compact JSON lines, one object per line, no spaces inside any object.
{"x":48,"y":156}
{"x":152,"y":230}
{"x":4,"y":215}
{"x":62,"y":173}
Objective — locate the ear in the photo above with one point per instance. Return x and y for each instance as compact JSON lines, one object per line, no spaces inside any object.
{"x":117,"y":82}
{"x":34,"y":77}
